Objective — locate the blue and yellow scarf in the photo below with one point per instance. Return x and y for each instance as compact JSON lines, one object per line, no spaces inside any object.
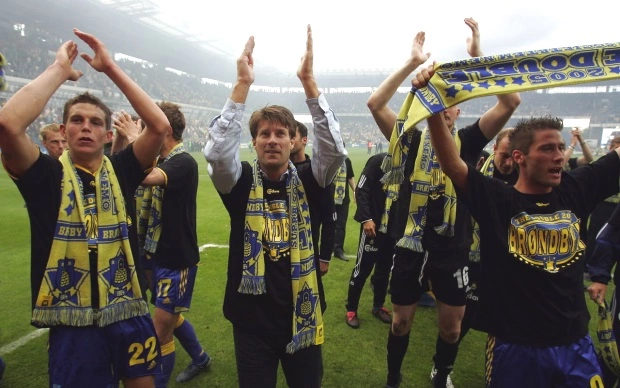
{"x":151,"y":204}
{"x":460,"y":81}
{"x":340,"y":184}
{"x":307,"y":317}
{"x":65,"y":297}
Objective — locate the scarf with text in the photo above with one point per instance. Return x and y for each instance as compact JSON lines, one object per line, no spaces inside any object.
{"x":428,"y":181}
{"x":89,"y":226}
{"x":463,"y":80}
{"x":307,"y":317}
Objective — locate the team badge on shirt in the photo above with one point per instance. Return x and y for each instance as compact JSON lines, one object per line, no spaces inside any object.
{"x":548,"y":242}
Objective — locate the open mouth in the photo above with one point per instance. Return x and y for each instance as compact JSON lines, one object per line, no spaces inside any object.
{"x":556,"y":171}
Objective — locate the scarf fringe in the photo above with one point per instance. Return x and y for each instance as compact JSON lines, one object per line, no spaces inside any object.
{"x":394,"y":177}
{"x":386,"y":164}
{"x":302,"y":340}
{"x":445,"y":229}
{"x":254,"y":285}
{"x":411,"y":243}
{"x":85,"y":316}
{"x":474,"y":257}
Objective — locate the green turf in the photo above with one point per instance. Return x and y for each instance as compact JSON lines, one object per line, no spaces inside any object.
{"x":351,"y":358}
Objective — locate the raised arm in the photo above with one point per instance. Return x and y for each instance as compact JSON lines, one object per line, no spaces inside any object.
{"x":147,"y":145}
{"x":441,"y":138}
{"x":328,"y":151}
{"x":587,"y":154}
{"x":224,"y":137}
{"x":18,"y":151}
{"x":493,"y":120}
{"x":384,"y":116}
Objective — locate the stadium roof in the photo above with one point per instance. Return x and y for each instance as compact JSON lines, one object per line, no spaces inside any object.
{"x":128,"y":26}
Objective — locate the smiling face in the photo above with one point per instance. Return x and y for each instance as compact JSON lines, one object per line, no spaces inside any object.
{"x":86,"y":134}
{"x":273,"y":144}
{"x":541,"y":168}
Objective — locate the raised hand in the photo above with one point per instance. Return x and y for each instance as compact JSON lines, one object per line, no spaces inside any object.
{"x":417,"y":50}
{"x":126,"y":127}
{"x":102,"y":61}
{"x":65,"y":56}
{"x":305,"y":69}
{"x":473,"y":43}
{"x":245,"y":63}
{"x":423,"y":76}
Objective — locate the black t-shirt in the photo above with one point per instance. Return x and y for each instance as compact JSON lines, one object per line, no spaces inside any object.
{"x":472,"y":143}
{"x":178,"y":245}
{"x":269,"y":314}
{"x":40,"y":187}
{"x":531,"y":288}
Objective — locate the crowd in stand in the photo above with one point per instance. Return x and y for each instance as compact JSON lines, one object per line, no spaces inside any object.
{"x":29,"y":51}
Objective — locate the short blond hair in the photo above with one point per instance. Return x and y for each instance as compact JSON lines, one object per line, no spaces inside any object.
{"x":54,"y":127}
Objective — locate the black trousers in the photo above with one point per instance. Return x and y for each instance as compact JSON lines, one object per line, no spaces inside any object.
{"x":258,"y":358}
{"x":340,"y":227}
{"x":372,"y":253}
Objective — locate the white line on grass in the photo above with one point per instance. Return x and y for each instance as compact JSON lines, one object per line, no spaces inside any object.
{"x":203,"y":247}
{"x":6,"y":349}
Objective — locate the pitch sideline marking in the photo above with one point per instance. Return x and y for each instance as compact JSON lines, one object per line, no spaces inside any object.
{"x":6,"y":349}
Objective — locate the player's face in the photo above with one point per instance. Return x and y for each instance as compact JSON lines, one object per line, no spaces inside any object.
{"x":543,"y":164}
{"x":54,"y":143}
{"x":503,"y":158}
{"x":85,"y":132}
{"x":299,"y":143}
{"x":450,"y":115}
{"x":273,"y":145}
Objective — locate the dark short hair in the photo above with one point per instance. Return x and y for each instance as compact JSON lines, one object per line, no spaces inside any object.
{"x":87,"y":98}
{"x":175,"y":117}
{"x":301,"y":128}
{"x":522,"y":136}
{"x":273,"y":114}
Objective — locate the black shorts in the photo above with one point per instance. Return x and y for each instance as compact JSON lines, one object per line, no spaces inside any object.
{"x":413,"y":274}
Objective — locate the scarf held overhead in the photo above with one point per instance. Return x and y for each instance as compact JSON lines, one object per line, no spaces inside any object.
{"x":460,"y":81}
{"x":307,"y":317}
{"x":65,"y":295}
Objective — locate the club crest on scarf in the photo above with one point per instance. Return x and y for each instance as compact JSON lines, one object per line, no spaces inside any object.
{"x":117,"y":278}
{"x":89,"y":226}
{"x":296,"y":233}
{"x":64,"y":281}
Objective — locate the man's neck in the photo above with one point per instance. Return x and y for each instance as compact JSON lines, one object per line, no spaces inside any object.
{"x":90,"y":164}
{"x":298,"y":157}
{"x":527,"y":188}
{"x":274,"y":174}
{"x":168,"y":146}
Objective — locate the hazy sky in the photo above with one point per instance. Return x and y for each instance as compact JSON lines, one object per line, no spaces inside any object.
{"x":378,"y":34}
